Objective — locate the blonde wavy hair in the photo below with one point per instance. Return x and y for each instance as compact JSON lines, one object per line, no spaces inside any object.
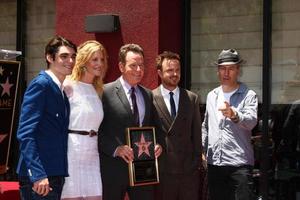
{"x":84,"y":54}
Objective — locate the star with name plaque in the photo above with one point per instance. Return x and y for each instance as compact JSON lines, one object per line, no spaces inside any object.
{"x":143,"y":170}
{"x":9,"y":82}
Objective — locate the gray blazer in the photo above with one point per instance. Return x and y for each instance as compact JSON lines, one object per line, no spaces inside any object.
{"x":117,"y":117}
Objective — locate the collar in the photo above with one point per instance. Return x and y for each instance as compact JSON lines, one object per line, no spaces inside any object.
{"x":126,"y":86}
{"x":165,"y":92}
{"x":241,"y":89}
{"x":55,"y":79}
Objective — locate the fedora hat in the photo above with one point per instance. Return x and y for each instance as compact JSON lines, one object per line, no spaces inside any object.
{"x":229,"y":57}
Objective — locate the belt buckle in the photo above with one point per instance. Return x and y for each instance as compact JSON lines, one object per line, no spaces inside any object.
{"x":92,"y":133}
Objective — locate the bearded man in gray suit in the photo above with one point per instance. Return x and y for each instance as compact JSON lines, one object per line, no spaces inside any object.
{"x":179,"y":112}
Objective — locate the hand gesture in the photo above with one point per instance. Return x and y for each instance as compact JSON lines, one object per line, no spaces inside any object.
{"x":227,"y":110}
{"x":42,"y":187}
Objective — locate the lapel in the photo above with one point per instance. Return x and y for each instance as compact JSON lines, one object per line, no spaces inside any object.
{"x":183,"y":109}
{"x":123,"y":98}
{"x":67,"y":106}
{"x":62,"y":102}
{"x":183,"y":106}
{"x":147,"y":103}
{"x":162,"y":108}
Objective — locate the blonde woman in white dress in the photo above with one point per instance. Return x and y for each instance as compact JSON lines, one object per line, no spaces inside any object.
{"x":84,"y":89}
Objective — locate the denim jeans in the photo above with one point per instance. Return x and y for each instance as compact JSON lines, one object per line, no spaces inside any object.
{"x":26,"y":192}
{"x":231,"y":183}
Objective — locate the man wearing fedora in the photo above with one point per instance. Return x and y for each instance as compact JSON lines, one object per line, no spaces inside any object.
{"x":231,"y":114}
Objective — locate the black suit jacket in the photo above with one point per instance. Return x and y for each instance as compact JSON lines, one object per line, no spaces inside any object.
{"x":182,"y":135}
{"x":117,"y":117}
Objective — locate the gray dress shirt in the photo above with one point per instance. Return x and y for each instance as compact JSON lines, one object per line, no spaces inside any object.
{"x":225,"y":142}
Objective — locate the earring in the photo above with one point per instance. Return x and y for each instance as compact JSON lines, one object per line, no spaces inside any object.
{"x":83,"y":68}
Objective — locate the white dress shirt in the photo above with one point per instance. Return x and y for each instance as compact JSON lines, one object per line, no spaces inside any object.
{"x":166,"y":95}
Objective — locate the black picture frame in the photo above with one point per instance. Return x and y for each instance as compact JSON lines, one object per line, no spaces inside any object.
{"x":143,"y":170}
{"x":9,"y":82}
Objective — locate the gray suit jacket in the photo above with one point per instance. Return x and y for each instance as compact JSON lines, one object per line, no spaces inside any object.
{"x":117,"y":117}
{"x":182,"y":135}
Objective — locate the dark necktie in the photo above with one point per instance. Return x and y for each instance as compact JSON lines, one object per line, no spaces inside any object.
{"x":135,"y":107}
{"x":172,"y":103}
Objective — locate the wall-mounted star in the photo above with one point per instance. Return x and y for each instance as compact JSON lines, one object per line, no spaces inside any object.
{"x":1,"y":70}
{"x":143,"y":146}
{"x":6,"y":87}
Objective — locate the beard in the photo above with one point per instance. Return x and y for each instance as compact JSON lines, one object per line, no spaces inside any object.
{"x":172,"y":82}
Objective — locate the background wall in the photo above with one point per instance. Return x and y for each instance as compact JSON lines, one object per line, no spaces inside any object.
{"x":8,"y":21}
{"x":156,"y":25}
{"x":40,"y":26}
{"x":223,"y":24}
{"x":139,"y":23}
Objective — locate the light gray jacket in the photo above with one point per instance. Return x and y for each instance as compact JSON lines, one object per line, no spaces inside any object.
{"x":225,"y":142}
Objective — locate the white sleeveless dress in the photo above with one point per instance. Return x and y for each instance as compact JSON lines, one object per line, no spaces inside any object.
{"x":83,"y":158}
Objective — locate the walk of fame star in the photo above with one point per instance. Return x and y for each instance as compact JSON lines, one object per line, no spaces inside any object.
{"x":143,"y":146}
{"x":6,"y":87}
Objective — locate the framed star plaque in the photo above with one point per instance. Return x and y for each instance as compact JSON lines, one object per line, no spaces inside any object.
{"x":9,"y":81}
{"x":143,"y":170}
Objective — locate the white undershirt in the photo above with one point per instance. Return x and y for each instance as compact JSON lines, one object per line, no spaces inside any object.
{"x":55,"y":79}
{"x":223,"y":96}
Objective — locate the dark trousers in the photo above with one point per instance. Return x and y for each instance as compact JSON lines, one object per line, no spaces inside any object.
{"x":117,"y":191}
{"x":230,"y":183}
{"x":178,"y":187}
{"x":26,"y":192}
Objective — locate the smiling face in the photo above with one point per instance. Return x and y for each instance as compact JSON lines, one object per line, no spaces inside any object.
{"x":170,"y":73}
{"x":133,"y":69}
{"x":95,"y":65}
{"x":63,"y":62}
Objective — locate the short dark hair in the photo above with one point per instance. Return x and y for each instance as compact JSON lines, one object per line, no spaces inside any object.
{"x":129,"y":47}
{"x":54,"y":44}
{"x":166,"y":55}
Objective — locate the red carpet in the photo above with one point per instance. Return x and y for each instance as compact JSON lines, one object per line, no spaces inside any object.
{"x":9,"y":191}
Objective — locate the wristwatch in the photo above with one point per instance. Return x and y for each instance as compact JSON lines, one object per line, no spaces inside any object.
{"x":235,"y":117}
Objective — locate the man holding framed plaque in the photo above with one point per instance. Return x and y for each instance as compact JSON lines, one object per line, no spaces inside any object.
{"x":179,"y":112}
{"x":127,"y":108}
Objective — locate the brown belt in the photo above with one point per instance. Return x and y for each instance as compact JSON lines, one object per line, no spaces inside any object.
{"x":90,"y":133}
